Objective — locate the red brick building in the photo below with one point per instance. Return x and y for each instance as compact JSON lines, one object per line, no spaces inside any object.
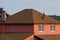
{"x":28,"y":23}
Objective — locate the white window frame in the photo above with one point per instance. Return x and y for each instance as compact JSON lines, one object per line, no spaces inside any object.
{"x":52,"y":28}
{"x":41,"y":28}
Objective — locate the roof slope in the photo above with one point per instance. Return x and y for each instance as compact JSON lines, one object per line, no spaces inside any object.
{"x":49,"y":37}
{"x":24,"y":16}
{"x":55,"y":17}
{"x":30,"y":16}
{"x":38,"y":18}
{"x":14,"y":36}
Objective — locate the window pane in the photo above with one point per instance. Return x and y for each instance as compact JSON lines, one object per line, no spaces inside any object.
{"x":52,"y":27}
{"x":41,"y":28}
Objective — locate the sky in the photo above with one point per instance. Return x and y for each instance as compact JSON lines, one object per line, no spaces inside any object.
{"x":49,"y":7}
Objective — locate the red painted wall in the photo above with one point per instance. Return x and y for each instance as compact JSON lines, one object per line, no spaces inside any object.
{"x":0,"y":28}
{"x":16,"y":28}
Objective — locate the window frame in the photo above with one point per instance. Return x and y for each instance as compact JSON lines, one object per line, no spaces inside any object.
{"x":52,"y":28}
{"x":41,"y":28}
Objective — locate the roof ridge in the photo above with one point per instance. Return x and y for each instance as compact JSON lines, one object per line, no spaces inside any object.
{"x":30,"y":16}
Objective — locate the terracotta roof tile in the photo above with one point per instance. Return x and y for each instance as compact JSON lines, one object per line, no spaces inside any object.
{"x":30,"y":16}
{"x":49,"y":37}
{"x":14,"y":36}
{"x":24,"y":16}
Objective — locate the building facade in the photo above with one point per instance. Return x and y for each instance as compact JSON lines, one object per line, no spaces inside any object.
{"x":28,"y":21}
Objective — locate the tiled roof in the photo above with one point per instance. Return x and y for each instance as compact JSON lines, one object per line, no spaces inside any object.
{"x":49,"y":37}
{"x":24,"y":16}
{"x":38,"y":18}
{"x":14,"y":36}
{"x":30,"y":16}
{"x":55,"y":17}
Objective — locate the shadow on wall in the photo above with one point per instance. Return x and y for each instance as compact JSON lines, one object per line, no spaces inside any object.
{"x":37,"y":38}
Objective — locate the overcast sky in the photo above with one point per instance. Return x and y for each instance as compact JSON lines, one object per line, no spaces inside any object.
{"x":50,"y":7}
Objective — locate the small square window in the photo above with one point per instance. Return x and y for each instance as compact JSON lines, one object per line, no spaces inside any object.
{"x":41,"y":28}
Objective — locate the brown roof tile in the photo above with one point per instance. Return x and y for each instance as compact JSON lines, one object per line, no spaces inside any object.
{"x":14,"y":36}
{"x":49,"y":37}
{"x":30,"y":16}
{"x":38,"y":18}
{"x":24,"y":16}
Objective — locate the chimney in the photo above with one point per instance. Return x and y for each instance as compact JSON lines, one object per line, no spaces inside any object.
{"x":3,"y":15}
{"x":43,"y":16}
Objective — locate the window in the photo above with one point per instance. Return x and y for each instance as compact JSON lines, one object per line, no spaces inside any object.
{"x":52,"y":28}
{"x":41,"y":28}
